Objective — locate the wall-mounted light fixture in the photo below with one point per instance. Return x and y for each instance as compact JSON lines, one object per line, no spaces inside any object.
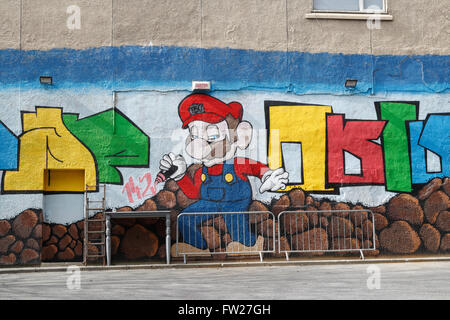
{"x":350,"y":83}
{"x":201,"y":85}
{"x":46,"y":80}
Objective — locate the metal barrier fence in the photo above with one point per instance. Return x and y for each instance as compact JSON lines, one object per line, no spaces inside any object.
{"x":322,"y":231}
{"x":230,"y":233}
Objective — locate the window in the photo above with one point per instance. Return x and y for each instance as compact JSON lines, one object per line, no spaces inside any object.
{"x":349,"y":10}
{"x":350,"y":6}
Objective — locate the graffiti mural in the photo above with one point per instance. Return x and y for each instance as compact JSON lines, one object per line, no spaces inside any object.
{"x":95,"y":145}
{"x":9,"y":146}
{"x":395,"y":143}
{"x":279,"y":131}
{"x":308,"y":154}
{"x":45,"y":143}
{"x":398,"y":162}
{"x":315,"y":143}
{"x":432,"y":135}
{"x":141,"y":188}
{"x":355,"y":137}
{"x":109,"y":135}
{"x":297,"y":123}
{"x":216,"y":132}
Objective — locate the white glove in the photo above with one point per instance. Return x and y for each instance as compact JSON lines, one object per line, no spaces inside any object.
{"x":274,"y":180}
{"x":170,"y":160}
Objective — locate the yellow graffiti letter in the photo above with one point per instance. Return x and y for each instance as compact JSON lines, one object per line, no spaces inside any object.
{"x":303,"y":124}
{"x":47,"y":144}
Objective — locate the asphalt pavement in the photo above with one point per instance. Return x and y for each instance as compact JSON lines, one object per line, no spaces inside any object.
{"x":410,"y":280}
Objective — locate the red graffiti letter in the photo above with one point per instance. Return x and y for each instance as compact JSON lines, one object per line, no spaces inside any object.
{"x":354,"y":138}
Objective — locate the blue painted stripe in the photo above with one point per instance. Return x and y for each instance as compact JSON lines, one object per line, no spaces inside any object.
{"x":130,"y":67}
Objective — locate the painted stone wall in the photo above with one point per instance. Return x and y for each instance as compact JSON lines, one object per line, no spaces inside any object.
{"x":21,"y":238}
{"x":407,"y":224}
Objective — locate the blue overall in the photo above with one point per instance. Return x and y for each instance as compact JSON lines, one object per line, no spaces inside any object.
{"x":219,"y":194}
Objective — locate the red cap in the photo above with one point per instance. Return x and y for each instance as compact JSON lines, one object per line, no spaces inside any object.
{"x":200,"y":106}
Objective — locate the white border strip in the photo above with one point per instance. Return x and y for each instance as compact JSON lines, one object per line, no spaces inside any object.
{"x":349,"y":16}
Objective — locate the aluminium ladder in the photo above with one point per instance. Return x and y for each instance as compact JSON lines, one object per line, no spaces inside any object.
{"x":94,"y":227}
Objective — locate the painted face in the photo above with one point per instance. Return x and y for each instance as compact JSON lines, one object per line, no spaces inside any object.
{"x":212,"y":143}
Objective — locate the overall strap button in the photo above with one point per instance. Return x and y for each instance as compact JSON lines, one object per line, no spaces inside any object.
{"x":229,"y":177}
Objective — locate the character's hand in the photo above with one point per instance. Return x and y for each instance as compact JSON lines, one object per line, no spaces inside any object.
{"x":274,"y":180}
{"x":170,"y":160}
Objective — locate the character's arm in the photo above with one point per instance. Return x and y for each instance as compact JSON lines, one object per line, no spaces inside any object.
{"x":248,"y":167}
{"x":191,"y":187}
{"x":272,"y":180}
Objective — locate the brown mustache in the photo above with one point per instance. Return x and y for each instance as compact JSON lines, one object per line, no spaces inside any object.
{"x":219,"y":149}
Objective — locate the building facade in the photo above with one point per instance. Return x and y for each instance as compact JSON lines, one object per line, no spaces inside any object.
{"x":351,"y":101}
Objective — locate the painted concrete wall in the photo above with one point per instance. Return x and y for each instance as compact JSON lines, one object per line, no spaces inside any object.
{"x":147,"y":126}
{"x":119,"y":79}
{"x":418,"y":27}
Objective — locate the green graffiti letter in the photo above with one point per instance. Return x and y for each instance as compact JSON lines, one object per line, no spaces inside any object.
{"x":113,"y":139}
{"x":395,"y":143}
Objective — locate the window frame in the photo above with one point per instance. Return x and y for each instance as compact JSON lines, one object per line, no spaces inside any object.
{"x":361,"y":10}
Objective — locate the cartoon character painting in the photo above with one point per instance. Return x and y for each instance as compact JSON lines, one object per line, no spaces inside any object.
{"x":216,"y":132}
